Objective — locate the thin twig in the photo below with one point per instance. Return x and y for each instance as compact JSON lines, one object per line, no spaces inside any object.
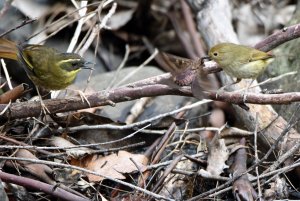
{"x":23,"y":23}
{"x":192,"y":29}
{"x":256,"y":157}
{"x":122,"y":64}
{"x":6,"y":74}
{"x":97,"y":29}
{"x":140,"y":123}
{"x":82,"y":14}
{"x":273,"y":79}
{"x":65,"y":16}
{"x":190,"y":130}
{"x":138,"y":68}
{"x":97,"y":151}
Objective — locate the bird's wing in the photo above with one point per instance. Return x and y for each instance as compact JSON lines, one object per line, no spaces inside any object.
{"x":259,"y":55}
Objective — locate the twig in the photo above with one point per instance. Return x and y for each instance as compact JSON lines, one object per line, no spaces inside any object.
{"x":5,"y":109}
{"x":138,"y":68}
{"x":103,"y":24}
{"x":65,"y":16}
{"x":6,"y":74}
{"x":98,"y":151}
{"x":41,"y":186}
{"x":284,"y":157}
{"x":157,"y":165}
{"x":70,"y":147}
{"x":190,"y":130}
{"x":23,"y":23}
{"x":21,"y":144}
{"x":179,"y":32}
{"x":122,"y":64}
{"x":161,"y":145}
{"x":192,"y":29}
{"x":140,"y":172}
{"x":273,"y":79}
{"x":13,"y":94}
{"x":256,"y":157}
{"x":137,"y":109}
{"x":162,"y":178}
{"x":82,"y":14}
{"x":140,"y":123}
{"x":97,"y":29}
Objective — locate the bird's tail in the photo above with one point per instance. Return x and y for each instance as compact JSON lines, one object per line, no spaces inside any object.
{"x":8,"y":49}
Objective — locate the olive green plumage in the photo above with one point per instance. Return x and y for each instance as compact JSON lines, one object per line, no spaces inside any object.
{"x":45,"y":66}
{"x":48,"y":68}
{"x":240,"y":61}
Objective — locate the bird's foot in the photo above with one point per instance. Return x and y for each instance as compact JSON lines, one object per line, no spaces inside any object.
{"x":83,"y":97}
{"x":219,"y":91}
{"x":44,"y":109}
{"x":245,"y":95}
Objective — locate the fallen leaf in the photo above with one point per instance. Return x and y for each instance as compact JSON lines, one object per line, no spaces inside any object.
{"x":114,"y":165}
{"x":217,"y":156}
{"x":120,"y":19}
{"x":73,"y":152}
{"x":39,"y":170}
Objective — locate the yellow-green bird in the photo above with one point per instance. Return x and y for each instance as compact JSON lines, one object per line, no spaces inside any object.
{"x":240,"y":61}
{"x":45,"y":66}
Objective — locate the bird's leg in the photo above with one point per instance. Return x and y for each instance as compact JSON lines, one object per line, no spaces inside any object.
{"x":246,"y":90}
{"x":222,"y":88}
{"x":43,"y":106}
{"x":82,"y":96}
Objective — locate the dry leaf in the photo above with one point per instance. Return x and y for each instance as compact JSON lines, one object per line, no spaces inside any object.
{"x":39,"y":170}
{"x":217,"y":156}
{"x":114,"y":165}
{"x":217,"y":118}
{"x":73,"y":152}
{"x":120,"y":18}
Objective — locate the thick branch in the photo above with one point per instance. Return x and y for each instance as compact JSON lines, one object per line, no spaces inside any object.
{"x":136,"y":91}
{"x":279,"y":37}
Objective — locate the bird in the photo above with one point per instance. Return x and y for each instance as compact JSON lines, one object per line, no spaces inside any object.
{"x":240,"y":61}
{"x":45,"y":66}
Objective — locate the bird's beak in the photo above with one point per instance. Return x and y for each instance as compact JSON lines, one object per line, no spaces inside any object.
{"x":86,"y":65}
{"x":203,"y":58}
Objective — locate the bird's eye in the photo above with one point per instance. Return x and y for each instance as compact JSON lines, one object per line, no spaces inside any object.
{"x":215,"y":54}
{"x":75,"y":64}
